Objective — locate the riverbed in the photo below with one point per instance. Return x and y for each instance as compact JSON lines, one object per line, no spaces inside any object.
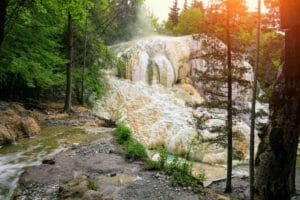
{"x":54,"y":139}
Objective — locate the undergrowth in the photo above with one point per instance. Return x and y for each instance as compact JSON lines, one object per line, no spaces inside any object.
{"x":133,"y":150}
{"x":179,"y":171}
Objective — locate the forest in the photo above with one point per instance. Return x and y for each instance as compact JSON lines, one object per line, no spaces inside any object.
{"x":104,"y":99}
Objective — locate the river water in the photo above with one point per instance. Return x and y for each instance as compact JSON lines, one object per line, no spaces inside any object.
{"x":29,"y":152}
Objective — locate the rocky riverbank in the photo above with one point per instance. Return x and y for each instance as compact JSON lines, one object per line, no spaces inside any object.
{"x":103,"y":173}
{"x":19,"y":120}
{"x":16,"y":122}
{"x":91,"y":165}
{"x":95,"y":169}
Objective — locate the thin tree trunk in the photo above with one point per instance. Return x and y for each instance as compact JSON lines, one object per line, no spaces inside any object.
{"x":253,"y":108}
{"x":84,"y":61}
{"x":293,"y":177}
{"x":68,"y":97}
{"x":273,"y":172}
{"x":228,"y":188}
{"x":3,"y":12}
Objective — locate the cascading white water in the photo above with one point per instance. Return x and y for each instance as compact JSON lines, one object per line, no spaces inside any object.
{"x":165,"y":74}
{"x":156,"y":59}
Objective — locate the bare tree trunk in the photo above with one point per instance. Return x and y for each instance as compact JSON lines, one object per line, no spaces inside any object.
{"x":228,"y":188}
{"x":3,"y":12}
{"x":280,"y":149}
{"x":293,"y":177}
{"x":68,"y":97}
{"x":253,"y":108}
{"x":84,"y":61}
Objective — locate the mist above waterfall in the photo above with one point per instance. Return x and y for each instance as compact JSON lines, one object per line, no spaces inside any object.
{"x":143,"y":25}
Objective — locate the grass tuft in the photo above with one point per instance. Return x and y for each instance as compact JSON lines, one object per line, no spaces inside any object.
{"x":123,"y":133}
{"x":93,"y":185}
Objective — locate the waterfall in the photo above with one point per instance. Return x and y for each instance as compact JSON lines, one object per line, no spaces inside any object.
{"x":172,"y":84}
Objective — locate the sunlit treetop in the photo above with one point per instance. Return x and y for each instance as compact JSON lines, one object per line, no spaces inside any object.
{"x":161,"y":8}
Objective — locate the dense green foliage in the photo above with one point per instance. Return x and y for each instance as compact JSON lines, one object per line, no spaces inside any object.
{"x":190,"y":22}
{"x":33,"y":54}
{"x":30,"y":56}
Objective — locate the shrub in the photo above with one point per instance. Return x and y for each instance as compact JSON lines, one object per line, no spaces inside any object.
{"x":179,"y":171}
{"x":152,"y":165}
{"x":161,"y":163}
{"x":134,"y":150}
{"x":122,"y":133}
{"x":181,"y":174}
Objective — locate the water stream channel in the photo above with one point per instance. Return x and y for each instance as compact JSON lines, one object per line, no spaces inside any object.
{"x":28,"y":152}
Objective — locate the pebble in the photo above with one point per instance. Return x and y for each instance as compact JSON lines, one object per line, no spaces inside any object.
{"x":95,"y":148}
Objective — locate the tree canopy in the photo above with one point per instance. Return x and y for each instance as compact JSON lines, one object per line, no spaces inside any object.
{"x":33,"y":51}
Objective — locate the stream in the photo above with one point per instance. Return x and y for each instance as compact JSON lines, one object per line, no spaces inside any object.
{"x":28,"y":152}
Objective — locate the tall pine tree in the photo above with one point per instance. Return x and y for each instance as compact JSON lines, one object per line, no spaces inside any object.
{"x":253,"y":108}
{"x":70,"y":49}
{"x":278,"y":152}
{"x":229,"y":102}
{"x":3,"y":7}
{"x":174,"y":14}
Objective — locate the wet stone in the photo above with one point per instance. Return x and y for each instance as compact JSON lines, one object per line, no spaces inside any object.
{"x":48,"y":162}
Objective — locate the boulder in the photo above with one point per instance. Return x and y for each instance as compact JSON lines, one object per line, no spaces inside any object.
{"x":30,"y":127}
{"x":13,"y":125}
{"x":9,"y":126}
{"x":5,"y":136}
